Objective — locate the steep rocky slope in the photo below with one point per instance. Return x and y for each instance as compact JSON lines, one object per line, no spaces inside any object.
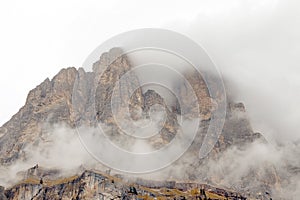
{"x":96,"y":185}
{"x":51,"y":103}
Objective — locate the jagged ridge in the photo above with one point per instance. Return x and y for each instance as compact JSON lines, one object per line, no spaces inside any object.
{"x":51,"y":102}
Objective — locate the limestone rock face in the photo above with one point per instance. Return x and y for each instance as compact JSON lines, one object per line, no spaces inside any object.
{"x":94,"y":185}
{"x":170,"y":127}
{"x":50,"y":101}
{"x":76,"y":97}
{"x":199,"y":93}
{"x":109,"y":81}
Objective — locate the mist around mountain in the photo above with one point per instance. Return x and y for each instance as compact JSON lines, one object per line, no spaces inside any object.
{"x":42,"y":156}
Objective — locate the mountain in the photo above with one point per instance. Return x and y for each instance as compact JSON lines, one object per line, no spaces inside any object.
{"x":52,"y":102}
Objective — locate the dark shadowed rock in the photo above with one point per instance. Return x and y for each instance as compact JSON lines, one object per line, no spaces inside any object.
{"x":95,"y":185}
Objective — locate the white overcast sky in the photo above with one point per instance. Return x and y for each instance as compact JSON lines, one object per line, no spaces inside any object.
{"x":254,"y":42}
{"x":38,"y":38}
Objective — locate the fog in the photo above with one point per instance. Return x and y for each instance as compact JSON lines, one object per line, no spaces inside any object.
{"x":59,"y":148}
{"x":255,"y":47}
{"x":62,"y":149}
{"x":260,"y":160}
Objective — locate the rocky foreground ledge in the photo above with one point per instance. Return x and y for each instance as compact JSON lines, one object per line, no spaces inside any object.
{"x":97,"y":185}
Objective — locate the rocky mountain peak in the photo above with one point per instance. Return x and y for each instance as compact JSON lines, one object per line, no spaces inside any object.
{"x":111,"y":85}
{"x":108,"y":58}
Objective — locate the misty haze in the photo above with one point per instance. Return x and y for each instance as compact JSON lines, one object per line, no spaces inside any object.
{"x":193,"y":100}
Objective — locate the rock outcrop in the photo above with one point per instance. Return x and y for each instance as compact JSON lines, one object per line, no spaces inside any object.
{"x":49,"y":102}
{"x":110,"y":81}
{"x":53,"y":102}
{"x":94,"y":185}
{"x":2,"y":194}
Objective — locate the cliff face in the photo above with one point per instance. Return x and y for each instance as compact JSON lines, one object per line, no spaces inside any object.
{"x":95,"y":185}
{"x":51,"y":102}
{"x":109,"y":81}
